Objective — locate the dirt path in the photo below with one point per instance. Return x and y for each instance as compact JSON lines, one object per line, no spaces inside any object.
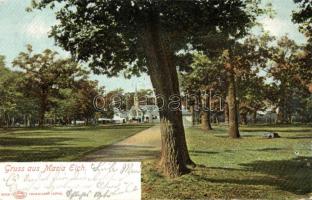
{"x":141,"y":146}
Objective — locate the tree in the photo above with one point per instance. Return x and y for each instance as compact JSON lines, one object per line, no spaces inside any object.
{"x":76,"y":102}
{"x":64,"y":108}
{"x":85,"y":91}
{"x":189,"y":85}
{"x":285,"y":72}
{"x":8,"y":93}
{"x":242,"y":59}
{"x":143,"y":36}
{"x":15,"y":106}
{"x":303,"y":16}
{"x":45,"y":74}
{"x":251,"y":95}
{"x":204,"y":76}
{"x":112,"y":99}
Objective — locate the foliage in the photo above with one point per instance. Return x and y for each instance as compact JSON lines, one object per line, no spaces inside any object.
{"x":44,"y":74}
{"x":289,"y":81}
{"x":303,"y":16}
{"x":109,"y":34}
{"x":14,"y":104}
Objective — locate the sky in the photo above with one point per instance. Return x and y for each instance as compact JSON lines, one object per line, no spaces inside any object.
{"x":19,"y":28}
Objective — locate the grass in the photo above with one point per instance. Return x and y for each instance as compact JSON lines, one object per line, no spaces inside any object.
{"x":60,"y":143}
{"x":249,"y":168}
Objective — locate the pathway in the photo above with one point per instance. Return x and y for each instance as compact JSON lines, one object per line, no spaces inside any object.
{"x":143,"y":145}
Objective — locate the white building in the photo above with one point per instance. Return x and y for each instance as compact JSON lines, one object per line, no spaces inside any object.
{"x":120,"y":116}
{"x":143,"y":113}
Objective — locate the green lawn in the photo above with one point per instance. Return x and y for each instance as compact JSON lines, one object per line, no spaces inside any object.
{"x":60,"y":144}
{"x":247,"y":168}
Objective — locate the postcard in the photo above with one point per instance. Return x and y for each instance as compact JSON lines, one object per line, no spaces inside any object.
{"x":174,"y":99}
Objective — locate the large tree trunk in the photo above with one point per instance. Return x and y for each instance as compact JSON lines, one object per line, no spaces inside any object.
{"x":205,"y":114}
{"x":13,"y":122}
{"x":205,"y":121}
{"x":226,"y":112}
{"x":290,"y":118}
{"x":233,"y":111}
{"x":279,"y":117}
{"x":243,"y":118}
{"x":162,"y":70}
{"x":282,"y":116}
{"x":254,"y":117}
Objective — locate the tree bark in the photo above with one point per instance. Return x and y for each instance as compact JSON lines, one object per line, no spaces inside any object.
{"x":243,"y":118}
{"x":8,"y":121}
{"x":205,"y":121}
{"x":226,"y":113}
{"x":282,"y":116}
{"x":279,"y":117}
{"x":232,"y":103}
{"x":163,"y":74}
{"x":13,"y":122}
{"x":205,"y":115}
{"x":254,"y":117}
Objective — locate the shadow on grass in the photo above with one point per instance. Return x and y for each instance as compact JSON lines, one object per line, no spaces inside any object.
{"x":293,"y":175}
{"x":38,"y":149}
{"x":74,"y":128}
{"x":202,"y":152}
{"x":300,"y":137}
{"x":124,"y":153}
{"x":44,"y":154}
{"x":221,"y":136}
{"x":223,"y":168}
{"x":276,"y":130}
{"x":242,"y":136}
{"x":12,"y":141}
{"x":71,"y":129}
{"x":270,"y":149}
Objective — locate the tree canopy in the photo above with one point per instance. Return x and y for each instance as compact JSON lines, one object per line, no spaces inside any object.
{"x":45,"y":74}
{"x":108,"y":34}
